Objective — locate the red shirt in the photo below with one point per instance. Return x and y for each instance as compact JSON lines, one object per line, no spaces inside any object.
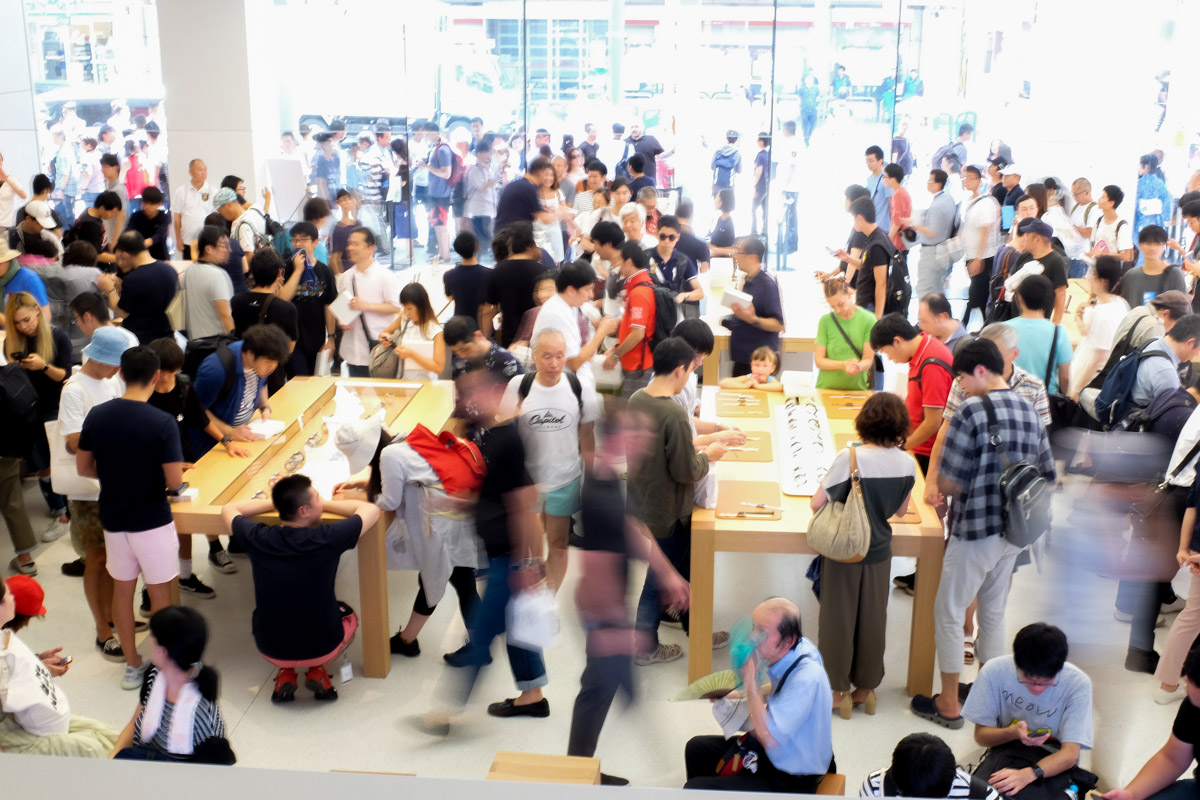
{"x":639,"y":313}
{"x":933,"y":388}
{"x":901,"y":208}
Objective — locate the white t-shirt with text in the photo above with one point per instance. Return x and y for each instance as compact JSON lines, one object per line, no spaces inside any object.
{"x":548,"y":421}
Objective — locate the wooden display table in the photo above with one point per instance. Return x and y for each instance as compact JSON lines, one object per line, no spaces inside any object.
{"x":710,"y":535}
{"x":302,"y":403}
{"x":538,"y":768}
{"x":799,"y":337}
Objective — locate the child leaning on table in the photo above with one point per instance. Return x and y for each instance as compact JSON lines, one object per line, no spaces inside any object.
{"x":764,"y":363}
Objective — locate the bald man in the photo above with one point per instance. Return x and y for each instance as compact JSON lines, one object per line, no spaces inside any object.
{"x":790,"y":743}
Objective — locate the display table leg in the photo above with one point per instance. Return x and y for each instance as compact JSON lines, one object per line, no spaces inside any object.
{"x":373,"y":602}
{"x":700,"y":613}
{"x":712,"y":367}
{"x":921,"y":644}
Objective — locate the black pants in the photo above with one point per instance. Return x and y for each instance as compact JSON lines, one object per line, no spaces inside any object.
{"x":977,"y":294}
{"x":741,"y":368}
{"x":462,"y":579}
{"x":702,"y":754}
{"x":602,"y":678}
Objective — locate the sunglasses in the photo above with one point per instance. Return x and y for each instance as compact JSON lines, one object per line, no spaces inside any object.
{"x":668,"y":237}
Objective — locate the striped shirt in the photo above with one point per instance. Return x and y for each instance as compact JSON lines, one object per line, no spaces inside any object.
{"x":249,"y":398}
{"x":964,"y":786}
{"x":207,"y":723}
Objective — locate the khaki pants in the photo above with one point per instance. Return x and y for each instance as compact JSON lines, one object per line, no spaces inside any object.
{"x":12,"y":506}
{"x":853,"y":622}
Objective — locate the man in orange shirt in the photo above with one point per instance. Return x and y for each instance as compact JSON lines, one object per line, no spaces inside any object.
{"x":901,"y":203}
{"x":637,"y":323}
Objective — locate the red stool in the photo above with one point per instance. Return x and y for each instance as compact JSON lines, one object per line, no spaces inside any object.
{"x":316,"y":677}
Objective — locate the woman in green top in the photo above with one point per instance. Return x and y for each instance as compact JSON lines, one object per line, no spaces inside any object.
{"x":843,"y":353}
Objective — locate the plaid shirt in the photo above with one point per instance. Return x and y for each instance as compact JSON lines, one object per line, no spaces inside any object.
{"x":971,"y":461}
{"x":1021,"y":382}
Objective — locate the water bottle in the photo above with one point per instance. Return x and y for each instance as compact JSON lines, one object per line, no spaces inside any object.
{"x":1072,"y":792}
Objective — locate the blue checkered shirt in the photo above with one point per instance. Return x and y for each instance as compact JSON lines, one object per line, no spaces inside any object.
{"x":970,"y":460}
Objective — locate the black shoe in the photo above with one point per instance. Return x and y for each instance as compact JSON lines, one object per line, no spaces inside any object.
{"x":196,"y":587}
{"x":906,"y":582}
{"x":964,"y":689}
{"x":139,"y":626}
{"x":670,"y":618}
{"x":144,"y":608}
{"x":74,"y":569}
{"x":459,"y":658}
{"x":402,"y":648}
{"x":509,"y":708}
{"x":613,"y":780}
{"x":1141,"y":660}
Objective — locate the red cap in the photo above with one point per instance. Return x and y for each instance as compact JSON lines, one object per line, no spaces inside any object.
{"x":28,"y":595}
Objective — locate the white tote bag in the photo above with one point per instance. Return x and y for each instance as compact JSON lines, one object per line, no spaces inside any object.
{"x":533,"y":619}
{"x":64,"y":477}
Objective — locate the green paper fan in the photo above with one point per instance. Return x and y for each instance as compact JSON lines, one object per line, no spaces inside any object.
{"x":717,"y":684}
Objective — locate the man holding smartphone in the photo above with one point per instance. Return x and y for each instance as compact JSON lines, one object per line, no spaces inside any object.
{"x":134,"y":450}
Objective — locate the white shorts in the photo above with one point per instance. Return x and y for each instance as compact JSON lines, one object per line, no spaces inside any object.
{"x":154,"y":554}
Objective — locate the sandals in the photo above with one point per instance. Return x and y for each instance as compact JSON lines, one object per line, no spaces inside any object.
{"x":925,"y":708}
{"x":968,"y":652}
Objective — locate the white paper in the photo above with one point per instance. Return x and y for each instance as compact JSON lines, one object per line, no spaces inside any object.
{"x":606,"y":379}
{"x":324,"y":364}
{"x":797,"y":382}
{"x":342,"y":310}
{"x":533,"y":619}
{"x":266,"y":428}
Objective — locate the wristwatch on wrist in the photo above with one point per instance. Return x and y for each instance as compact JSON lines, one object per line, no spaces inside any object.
{"x":1038,"y":774}
{"x":225,"y":440}
{"x":45,"y":367}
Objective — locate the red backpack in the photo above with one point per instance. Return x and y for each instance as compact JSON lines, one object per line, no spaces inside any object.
{"x":458,"y":463}
{"x":457,"y":168}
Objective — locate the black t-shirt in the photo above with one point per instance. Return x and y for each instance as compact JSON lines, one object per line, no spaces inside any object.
{"x":131,"y":441}
{"x":877,"y":250}
{"x":857,"y":239}
{"x":589,"y":151}
{"x":32,"y":244}
{"x":155,"y":229}
{"x":310,"y":301}
{"x":511,"y":287}
{"x":639,"y":183}
{"x":145,"y":294}
{"x":504,"y":454}
{"x":182,"y":404}
{"x":466,"y":283}
{"x":91,"y":230}
{"x":49,"y":390}
{"x":234,"y":266}
{"x":296,"y":613}
{"x":247,"y":307}
{"x":1186,"y":727}
{"x":1054,"y":267}
{"x":649,"y":147}
{"x":694,"y":248}
{"x":518,"y":202}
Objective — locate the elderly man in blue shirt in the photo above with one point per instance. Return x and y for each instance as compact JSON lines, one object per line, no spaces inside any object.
{"x":790,"y":731}
{"x":933,"y":233}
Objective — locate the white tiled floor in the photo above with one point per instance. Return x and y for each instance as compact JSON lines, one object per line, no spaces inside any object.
{"x":367,"y":728}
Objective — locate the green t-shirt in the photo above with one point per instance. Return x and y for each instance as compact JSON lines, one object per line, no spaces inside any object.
{"x":858,"y":328}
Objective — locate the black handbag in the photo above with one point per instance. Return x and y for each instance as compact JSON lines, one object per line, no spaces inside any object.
{"x":1063,"y":410}
{"x":1015,"y":755}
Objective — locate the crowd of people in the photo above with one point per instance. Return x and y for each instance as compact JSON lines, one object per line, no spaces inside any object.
{"x":125,"y":366}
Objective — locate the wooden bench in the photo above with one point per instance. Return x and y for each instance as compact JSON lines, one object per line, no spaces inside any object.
{"x":833,"y":784}
{"x":540,"y":768}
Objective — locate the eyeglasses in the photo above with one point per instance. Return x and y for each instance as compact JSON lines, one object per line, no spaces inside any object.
{"x":667,"y":237}
{"x":74,"y":320}
{"x":1038,"y":684}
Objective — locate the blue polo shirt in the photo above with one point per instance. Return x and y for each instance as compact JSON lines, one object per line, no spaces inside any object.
{"x":744,"y":338}
{"x":26,"y":280}
{"x":678,"y":272}
{"x":797,"y":715}
{"x":210,"y":379}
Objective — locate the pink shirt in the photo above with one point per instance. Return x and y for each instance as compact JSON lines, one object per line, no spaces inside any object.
{"x":901,"y":208}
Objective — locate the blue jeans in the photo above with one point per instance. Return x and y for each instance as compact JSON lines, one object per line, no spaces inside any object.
{"x":488,"y":621}
{"x":677,"y":547}
{"x":1179,"y":790}
{"x":1078,"y":269}
{"x":483,"y":232}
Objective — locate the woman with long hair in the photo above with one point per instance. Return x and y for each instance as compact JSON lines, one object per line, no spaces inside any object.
{"x":418,"y":325}
{"x":45,"y":353}
{"x":549,"y":235}
{"x":177,"y":718}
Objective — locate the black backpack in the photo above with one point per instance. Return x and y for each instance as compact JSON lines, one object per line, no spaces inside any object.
{"x":527,"y":383}
{"x":921,"y":369}
{"x":1166,"y":415}
{"x":666,"y":314}
{"x":899,"y":288}
{"x":202,"y":348}
{"x":18,"y":409}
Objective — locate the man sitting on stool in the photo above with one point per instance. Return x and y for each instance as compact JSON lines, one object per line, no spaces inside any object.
{"x":298,"y":622}
{"x":793,"y":732}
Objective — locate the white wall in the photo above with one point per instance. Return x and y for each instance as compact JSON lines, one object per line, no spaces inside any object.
{"x":18,"y":139}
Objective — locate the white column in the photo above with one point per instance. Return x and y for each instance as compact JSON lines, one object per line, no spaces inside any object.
{"x":222,"y":103}
{"x":18,"y":137}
